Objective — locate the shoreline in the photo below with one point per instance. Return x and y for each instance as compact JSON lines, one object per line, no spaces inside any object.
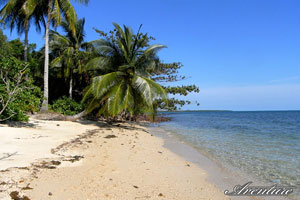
{"x":109,"y":162}
{"x":217,"y":174}
{"x":224,"y":176}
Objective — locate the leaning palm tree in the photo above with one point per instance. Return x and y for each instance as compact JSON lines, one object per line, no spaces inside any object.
{"x":127,"y":86}
{"x":55,"y":10}
{"x":68,"y":50}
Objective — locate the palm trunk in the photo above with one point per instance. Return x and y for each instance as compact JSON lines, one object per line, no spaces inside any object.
{"x":71,"y":84}
{"x":26,"y":43}
{"x":46,"y":65}
{"x":76,"y":117}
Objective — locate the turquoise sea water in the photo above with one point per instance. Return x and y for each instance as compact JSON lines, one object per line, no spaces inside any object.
{"x":265,"y":145}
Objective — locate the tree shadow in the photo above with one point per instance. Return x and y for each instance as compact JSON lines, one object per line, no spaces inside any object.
{"x":104,"y":124}
{"x":18,"y":124}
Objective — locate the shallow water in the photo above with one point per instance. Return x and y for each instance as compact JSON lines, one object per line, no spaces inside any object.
{"x":265,"y":145}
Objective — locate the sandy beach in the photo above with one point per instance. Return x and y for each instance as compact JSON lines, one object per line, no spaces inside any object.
{"x":93,"y":160}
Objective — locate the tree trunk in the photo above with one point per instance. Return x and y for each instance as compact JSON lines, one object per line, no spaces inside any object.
{"x":71,"y":84}
{"x":76,"y":117}
{"x":26,"y":43}
{"x":46,"y":65}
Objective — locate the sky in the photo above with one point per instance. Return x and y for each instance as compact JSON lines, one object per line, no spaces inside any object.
{"x":242,"y":54}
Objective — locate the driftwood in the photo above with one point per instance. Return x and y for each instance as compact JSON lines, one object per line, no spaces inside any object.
{"x":76,"y":117}
{"x":58,"y":117}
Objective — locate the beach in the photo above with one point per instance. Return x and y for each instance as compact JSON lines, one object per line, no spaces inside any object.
{"x":94,"y":160}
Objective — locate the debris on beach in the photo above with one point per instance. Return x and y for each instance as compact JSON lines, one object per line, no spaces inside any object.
{"x":27,"y":187}
{"x":55,"y":162}
{"x":23,"y":168}
{"x":161,"y":195}
{"x":3,"y":183}
{"x":15,"y":196}
{"x":110,"y":136}
{"x":74,"y":158}
{"x":144,"y":197}
{"x":77,"y":141}
{"x":47,"y":164}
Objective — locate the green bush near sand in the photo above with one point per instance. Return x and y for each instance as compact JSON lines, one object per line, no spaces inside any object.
{"x":18,"y":95}
{"x":67,"y":106}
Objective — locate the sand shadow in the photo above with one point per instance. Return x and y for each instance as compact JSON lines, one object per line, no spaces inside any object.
{"x":104,"y":124}
{"x":19,"y":124}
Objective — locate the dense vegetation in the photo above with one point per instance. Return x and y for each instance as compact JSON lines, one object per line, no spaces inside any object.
{"x":18,"y":94}
{"x":118,"y":74}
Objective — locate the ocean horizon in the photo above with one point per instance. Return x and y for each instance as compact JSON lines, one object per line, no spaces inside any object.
{"x":264,"y":145}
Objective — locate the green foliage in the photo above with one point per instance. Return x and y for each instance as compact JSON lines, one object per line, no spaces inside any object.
{"x":67,"y":106}
{"x":30,"y":98}
{"x":17,"y":49}
{"x":124,"y":58}
{"x":36,"y":63}
{"x":17,"y":95}
{"x":169,"y":72}
{"x":182,"y":90}
{"x":4,"y":46}
{"x":131,"y":56}
{"x":27,"y":101}
{"x":68,"y":52}
{"x":116,"y":92}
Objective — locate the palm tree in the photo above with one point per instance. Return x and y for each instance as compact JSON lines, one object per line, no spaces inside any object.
{"x":127,"y":86}
{"x":13,"y":16}
{"x":55,"y":10}
{"x":68,"y":49}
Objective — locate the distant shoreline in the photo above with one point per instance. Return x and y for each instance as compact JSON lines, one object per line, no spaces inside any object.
{"x":229,"y":111}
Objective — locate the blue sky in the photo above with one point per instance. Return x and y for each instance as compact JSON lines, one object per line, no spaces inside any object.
{"x":243,"y":54}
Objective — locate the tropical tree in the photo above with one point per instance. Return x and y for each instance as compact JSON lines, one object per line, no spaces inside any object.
{"x":5,"y":47}
{"x":55,"y":10}
{"x":127,"y":85}
{"x":68,"y":50}
{"x":12,"y":15}
{"x":169,"y":73}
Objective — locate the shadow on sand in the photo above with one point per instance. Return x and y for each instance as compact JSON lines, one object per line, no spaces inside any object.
{"x":103,"y":124}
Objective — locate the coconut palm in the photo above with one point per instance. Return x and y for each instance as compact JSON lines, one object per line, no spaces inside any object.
{"x":13,"y":16}
{"x":127,"y":86}
{"x":68,"y":50}
{"x":55,"y":10}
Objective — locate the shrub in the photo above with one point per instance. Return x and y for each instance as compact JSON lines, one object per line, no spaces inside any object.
{"x":17,"y":94}
{"x":67,"y":106}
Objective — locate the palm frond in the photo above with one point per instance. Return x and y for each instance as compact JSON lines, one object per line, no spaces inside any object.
{"x":101,"y":85}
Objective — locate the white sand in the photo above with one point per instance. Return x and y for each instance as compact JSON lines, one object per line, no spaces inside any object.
{"x":134,"y":165}
{"x":22,"y":146}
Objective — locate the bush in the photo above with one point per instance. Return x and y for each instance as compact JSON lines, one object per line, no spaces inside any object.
{"x":67,"y":106}
{"x":27,"y":101}
{"x":17,"y":94}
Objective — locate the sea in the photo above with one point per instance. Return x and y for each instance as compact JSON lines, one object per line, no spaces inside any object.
{"x":265,"y":145}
